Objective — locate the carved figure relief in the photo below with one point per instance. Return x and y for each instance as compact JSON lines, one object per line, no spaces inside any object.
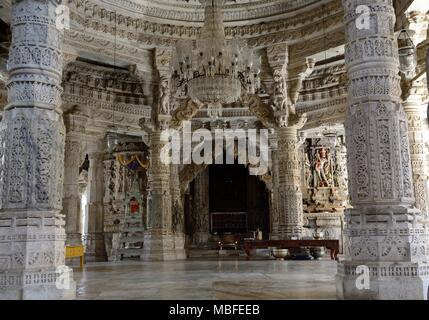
{"x":322,"y":168}
{"x":325,"y":174}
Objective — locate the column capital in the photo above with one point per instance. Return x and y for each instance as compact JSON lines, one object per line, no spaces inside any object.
{"x":162,"y":62}
{"x":76,"y":121}
{"x":68,"y":58}
{"x":278,"y":57}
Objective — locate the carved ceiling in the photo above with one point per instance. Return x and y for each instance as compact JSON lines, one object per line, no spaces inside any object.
{"x":146,"y":24}
{"x":191,"y":11}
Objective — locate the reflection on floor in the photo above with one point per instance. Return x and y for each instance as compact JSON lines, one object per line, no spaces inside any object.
{"x":214,"y":279}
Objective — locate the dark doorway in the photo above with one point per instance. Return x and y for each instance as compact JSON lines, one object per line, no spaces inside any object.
{"x":238,"y":201}
{"x":228,"y":188}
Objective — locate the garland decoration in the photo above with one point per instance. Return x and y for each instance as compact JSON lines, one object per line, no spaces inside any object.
{"x":133,"y":162}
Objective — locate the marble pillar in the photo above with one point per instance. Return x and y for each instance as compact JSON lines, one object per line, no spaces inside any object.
{"x":95,"y":248}
{"x":200,"y":212}
{"x":414,"y":108}
{"x":385,"y":250}
{"x":341,"y":194}
{"x":288,"y":219}
{"x":32,"y":138}
{"x":289,"y":197}
{"x":274,"y":210}
{"x":178,"y":213}
{"x":73,"y":158}
{"x":159,"y":236}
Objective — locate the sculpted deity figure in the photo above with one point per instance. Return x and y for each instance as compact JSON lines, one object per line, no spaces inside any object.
{"x":165,"y":98}
{"x":322,"y":167}
{"x":308,"y":171}
{"x":281,"y":99}
{"x":280,"y":86}
{"x":212,"y":69}
{"x":134,"y":206}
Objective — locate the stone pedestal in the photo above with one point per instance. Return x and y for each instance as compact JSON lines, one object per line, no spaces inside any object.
{"x":95,"y":249}
{"x":385,"y":241}
{"x":32,"y":135}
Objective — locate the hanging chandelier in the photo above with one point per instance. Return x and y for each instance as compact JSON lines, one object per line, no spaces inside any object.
{"x":215,"y":72}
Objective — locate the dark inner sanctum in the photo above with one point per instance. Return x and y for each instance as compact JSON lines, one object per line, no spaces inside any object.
{"x":238,"y":201}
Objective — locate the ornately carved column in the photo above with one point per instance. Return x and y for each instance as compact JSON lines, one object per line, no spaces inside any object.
{"x":201,"y":212}
{"x":274,"y":210}
{"x":289,"y":180}
{"x":178,"y":212}
{"x":74,"y":157}
{"x":95,"y":247}
{"x":385,"y":246}
{"x":159,"y":236}
{"x":159,"y":240}
{"x":414,"y":108}
{"x":289,"y":196}
{"x":32,"y":235}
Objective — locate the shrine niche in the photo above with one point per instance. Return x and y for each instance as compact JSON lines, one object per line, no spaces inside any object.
{"x":125,"y":196}
{"x":324,"y":174}
{"x":324,"y":182}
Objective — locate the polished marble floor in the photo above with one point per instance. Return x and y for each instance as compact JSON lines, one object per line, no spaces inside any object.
{"x":207,"y":279}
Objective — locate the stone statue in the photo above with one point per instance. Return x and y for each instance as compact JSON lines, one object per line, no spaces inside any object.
{"x":322,"y":167}
{"x":307,"y":171}
{"x":165,"y":98}
{"x":341,"y":167}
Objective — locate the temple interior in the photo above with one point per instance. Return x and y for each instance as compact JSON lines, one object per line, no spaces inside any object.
{"x":214,"y":149}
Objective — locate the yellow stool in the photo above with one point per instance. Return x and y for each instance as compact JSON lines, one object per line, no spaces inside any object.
{"x":76,"y":252}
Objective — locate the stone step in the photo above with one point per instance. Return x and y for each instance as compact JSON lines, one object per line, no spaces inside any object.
{"x":131,"y":222}
{"x":132,"y":219}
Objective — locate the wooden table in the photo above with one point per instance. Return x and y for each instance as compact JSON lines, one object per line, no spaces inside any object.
{"x":332,"y":245}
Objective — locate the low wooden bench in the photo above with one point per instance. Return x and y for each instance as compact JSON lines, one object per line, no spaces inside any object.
{"x":332,"y":245}
{"x":76,"y":252}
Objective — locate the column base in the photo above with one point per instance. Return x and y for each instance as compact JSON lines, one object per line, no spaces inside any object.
{"x":95,"y":250}
{"x":160,"y":245}
{"x":387,"y":281}
{"x":200,"y":239}
{"x":53,"y":284}
{"x":288,"y":232}
{"x":112,"y":245}
{"x":179,"y":246}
